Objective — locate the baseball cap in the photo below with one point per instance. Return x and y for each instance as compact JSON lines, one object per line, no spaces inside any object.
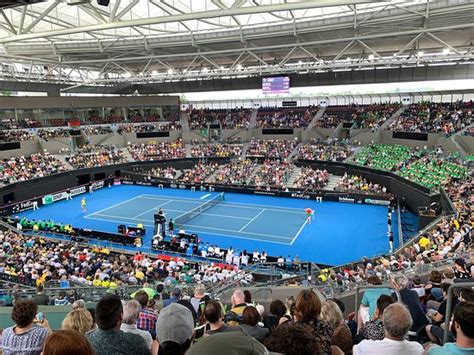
{"x":175,"y":323}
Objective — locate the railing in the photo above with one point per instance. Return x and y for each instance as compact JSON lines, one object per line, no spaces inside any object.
{"x":449,"y":305}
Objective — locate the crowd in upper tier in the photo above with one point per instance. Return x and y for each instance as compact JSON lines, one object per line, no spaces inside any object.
{"x":272,"y":148}
{"x":226,"y":118}
{"x":446,"y":118}
{"x":158,"y":151}
{"x":222,"y":150}
{"x":278,"y":117}
{"x":105,"y":156}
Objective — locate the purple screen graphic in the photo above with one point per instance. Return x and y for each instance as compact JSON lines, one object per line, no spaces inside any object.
{"x":276,"y":85}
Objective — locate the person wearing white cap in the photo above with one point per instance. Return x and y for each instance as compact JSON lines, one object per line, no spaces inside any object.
{"x":174,"y":330}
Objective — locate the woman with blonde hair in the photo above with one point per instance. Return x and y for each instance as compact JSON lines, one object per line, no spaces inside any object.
{"x":341,"y":337}
{"x":79,"y":320}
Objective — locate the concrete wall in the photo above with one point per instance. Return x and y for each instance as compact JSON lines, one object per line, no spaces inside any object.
{"x":27,"y":148}
{"x":466,"y":142}
{"x":70,"y":102}
{"x":55,"y":145}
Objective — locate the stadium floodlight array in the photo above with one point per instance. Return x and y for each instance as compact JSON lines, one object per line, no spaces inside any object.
{"x":181,"y":220}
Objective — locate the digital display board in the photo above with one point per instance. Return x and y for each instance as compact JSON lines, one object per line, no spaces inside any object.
{"x":276,"y":85}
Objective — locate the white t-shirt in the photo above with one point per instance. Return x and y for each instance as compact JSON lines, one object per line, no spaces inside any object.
{"x":387,"y":347}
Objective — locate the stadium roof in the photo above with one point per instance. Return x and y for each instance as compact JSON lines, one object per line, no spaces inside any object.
{"x":79,"y":42}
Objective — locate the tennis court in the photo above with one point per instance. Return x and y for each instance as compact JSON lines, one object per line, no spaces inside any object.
{"x":236,"y":220}
{"x":340,"y":232}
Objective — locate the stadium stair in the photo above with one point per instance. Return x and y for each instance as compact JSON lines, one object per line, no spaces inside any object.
{"x":294,"y":152}
{"x":294,"y":175}
{"x":127,"y":155}
{"x":316,"y":117}
{"x":253,"y":118}
{"x":332,"y":182}
{"x":188,"y":150}
{"x":388,"y":122}
{"x":245,"y":148}
{"x":62,"y":159}
{"x":251,"y":177}
{"x":184,"y":120}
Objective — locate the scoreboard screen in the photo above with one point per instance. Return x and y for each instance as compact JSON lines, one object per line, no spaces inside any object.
{"x":276,"y":85}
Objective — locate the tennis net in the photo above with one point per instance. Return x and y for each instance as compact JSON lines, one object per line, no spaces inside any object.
{"x":187,"y":216}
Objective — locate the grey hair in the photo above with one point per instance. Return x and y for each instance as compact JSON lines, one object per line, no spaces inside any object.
{"x":200,"y":289}
{"x":400,"y":280}
{"x":131,"y":310}
{"x":239,"y":294}
{"x":397,"y":320}
{"x":79,"y":304}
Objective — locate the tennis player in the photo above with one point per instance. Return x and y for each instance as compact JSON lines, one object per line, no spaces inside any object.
{"x":83,"y":205}
{"x":309,"y":214}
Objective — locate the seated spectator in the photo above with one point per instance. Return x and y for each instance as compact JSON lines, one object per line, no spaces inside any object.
{"x":370,"y":297}
{"x":67,"y":342}
{"x":78,"y":320}
{"x":175,"y":297}
{"x":61,"y":300}
{"x":437,"y":315}
{"x":341,"y":337}
{"x":199,"y":298}
{"x":411,"y":300}
{"x":78,"y":304}
{"x":397,"y":322}
{"x":174,"y":330}
{"x":131,"y":311}
{"x":250,"y":324}
{"x":227,"y":343}
{"x":147,"y":317}
{"x":460,"y":270}
{"x":277,"y":311}
{"x":234,"y":317}
{"x":463,"y":328}
{"x":214,"y":315}
{"x":374,"y":329}
{"x":293,"y":339}
{"x":108,"y":339}
{"x":307,"y":312}
{"x":40,"y":298}
{"x":24,"y":337}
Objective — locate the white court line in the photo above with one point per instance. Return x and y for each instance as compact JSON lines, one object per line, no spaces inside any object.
{"x":206,"y":232}
{"x":238,"y":205}
{"x":203,"y":197}
{"x":299,"y":231}
{"x":170,"y":210}
{"x":151,"y":209}
{"x":253,"y":219}
{"x":117,"y":204}
{"x":205,"y":227}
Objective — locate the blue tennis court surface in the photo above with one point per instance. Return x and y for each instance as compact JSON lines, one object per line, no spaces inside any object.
{"x":339,"y":233}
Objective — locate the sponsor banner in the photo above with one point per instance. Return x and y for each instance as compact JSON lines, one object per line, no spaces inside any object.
{"x":182,"y":186}
{"x":48,"y":199}
{"x":125,"y":182}
{"x":264,"y":193}
{"x":96,"y":185}
{"x":377,"y":202}
{"x":300,"y":195}
{"x":77,"y":191}
{"x":142,"y":183}
{"x":346,"y":199}
{"x":174,"y":186}
{"x":23,"y":206}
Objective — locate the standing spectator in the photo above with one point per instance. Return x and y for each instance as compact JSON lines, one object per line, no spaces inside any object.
{"x":341,"y":336}
{"x":199,"y":299}
{"x":307,"y":312}
{"x":24,"y":337}
{"x":250,"y":326}
{"x":147,"y":317}
{"x":174,"y":329}
{"x":78,"y":320}
{"x":131,"y":311}
{"x":108,"y":339}
{"x":67,"y":342}
{"x":397,"y":322}
{"x":40,"y":299}
{"x":463,"y":326}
